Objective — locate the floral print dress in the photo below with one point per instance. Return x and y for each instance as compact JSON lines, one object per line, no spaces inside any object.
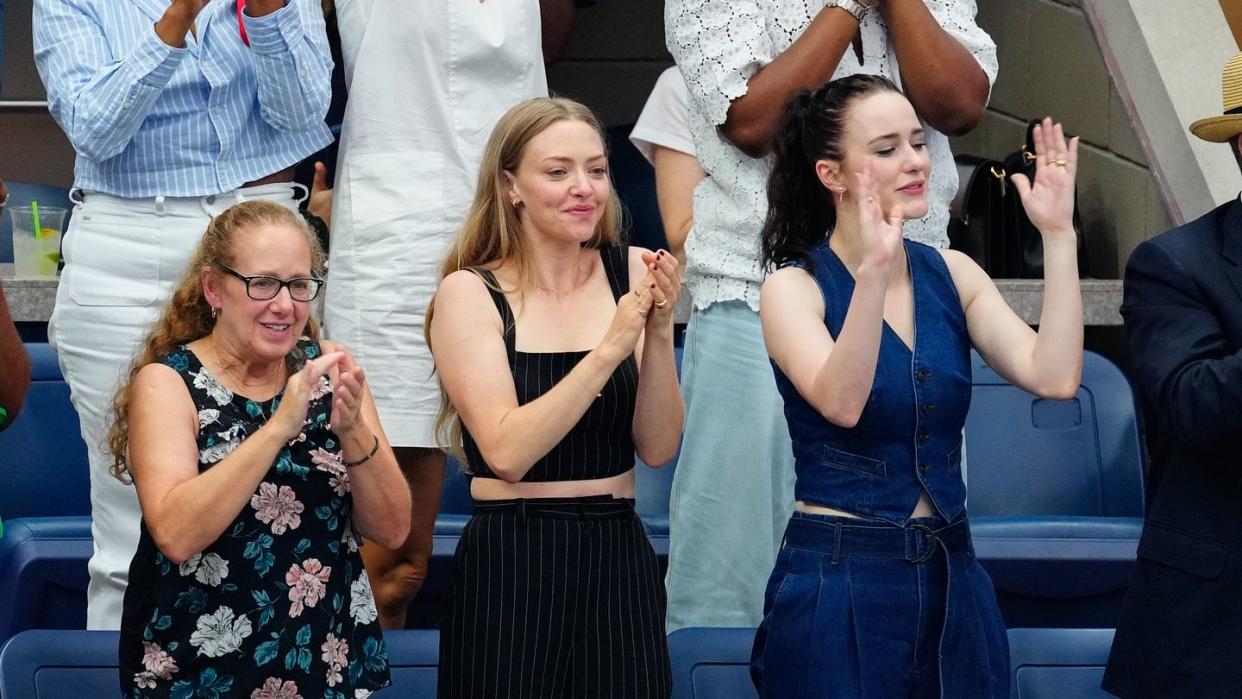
{"x":279,"y":607}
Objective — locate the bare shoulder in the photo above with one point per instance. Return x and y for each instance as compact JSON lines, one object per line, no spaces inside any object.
{"x":159,"y":388}
{"x":789,"y":284}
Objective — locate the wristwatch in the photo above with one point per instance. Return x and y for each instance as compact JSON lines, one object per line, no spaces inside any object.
{"x":854,"y":7}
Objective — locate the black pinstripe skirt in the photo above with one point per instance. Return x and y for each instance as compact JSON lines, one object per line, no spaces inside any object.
{"x":555,"y":598}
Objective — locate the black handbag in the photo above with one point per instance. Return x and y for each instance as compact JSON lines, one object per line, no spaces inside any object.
{"x":977,"y":212}
{"x":1025,"y":257}
{"x":988,"y":223}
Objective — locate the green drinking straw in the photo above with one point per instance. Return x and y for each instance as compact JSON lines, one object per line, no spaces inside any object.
{"x":34,"y":211}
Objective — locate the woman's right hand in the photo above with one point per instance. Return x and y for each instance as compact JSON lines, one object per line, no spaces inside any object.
{"x":627,"y":323}
{"x":881,"y":236}
{"x":290,"y":417}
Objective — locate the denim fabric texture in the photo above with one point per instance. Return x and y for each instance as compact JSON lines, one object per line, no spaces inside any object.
{"x":733,"y":488}
{"x":883,"y":605}
{"x":861,"y":620}
{"x":909,"y":437}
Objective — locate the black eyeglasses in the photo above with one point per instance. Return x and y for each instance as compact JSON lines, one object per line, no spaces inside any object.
{"x":263,"y":288}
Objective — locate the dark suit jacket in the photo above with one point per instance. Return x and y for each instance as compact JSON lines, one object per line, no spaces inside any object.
{"x":1180,"y":634}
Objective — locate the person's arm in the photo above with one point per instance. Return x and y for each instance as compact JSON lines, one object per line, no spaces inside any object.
{"x":1047,"y":363}
{"x":293,"y":62}
{"x":15,"y":368}
{"x":733,"y":72}
{"x":658,"y":410}
{"x":100,"y":99}
{"x":942,"y":54}
{"x":677,"y":174}
{"x":469,"y":350}
{"x":1183,"y":361}
{"x":834,"y":376}
{"x":380,"y":493}
{"x":185,"y":510}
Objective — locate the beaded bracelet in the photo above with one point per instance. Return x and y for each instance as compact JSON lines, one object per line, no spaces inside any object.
{"x":374,"y":451}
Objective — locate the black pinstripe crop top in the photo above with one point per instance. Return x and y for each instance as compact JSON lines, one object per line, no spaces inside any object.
{"x":602,"y":443}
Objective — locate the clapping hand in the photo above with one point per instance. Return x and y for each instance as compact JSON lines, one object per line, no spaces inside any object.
{"x":664,"y":281}
{"x":1049,"y":201}
{"x":320,"y":202}
{"x":881,"y":236}
{"x":177,"y":21}
{"x":290,"y":416}
{"x":348,"y":386}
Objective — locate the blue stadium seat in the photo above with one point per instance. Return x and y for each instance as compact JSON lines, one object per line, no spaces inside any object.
{"x":46,"y":664}
{"x":711,"y":663}
{"x":43,"y":466}
{"x":43,"y":574}
{"x":21,"y":194}
{"x":634,"y":179}
{"x":57,"y":664}
{"x":1058,"y":663}
{"x":456,"y":505}
{"x":1056,"y":495}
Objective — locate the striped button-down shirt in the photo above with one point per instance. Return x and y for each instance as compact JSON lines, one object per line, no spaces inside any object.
{"x":148,"y":119}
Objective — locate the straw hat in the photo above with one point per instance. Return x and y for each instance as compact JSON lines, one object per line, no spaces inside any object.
{"x":1219,"y":129}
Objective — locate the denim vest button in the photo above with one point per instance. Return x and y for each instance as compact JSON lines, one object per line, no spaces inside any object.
{"x":927,"y":408}
{"x":923,"y":437}
{"x":924,"y":468}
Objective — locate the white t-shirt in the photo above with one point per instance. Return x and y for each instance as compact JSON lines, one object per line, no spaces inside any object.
{"x":718,"y":46}
{"x":665,"y":120}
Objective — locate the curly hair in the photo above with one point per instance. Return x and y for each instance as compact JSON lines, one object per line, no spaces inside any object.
{"x":187,"y":316}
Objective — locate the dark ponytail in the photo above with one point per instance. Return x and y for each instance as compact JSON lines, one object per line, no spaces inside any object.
{"x":801,"y":210}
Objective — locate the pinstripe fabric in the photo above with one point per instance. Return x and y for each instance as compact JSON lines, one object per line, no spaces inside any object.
{"x":147,"y":119}
{"x":555,"y":598}
{"x":602,"y":443}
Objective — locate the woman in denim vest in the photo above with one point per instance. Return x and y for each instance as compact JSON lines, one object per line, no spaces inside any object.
{"x":876,"y":590}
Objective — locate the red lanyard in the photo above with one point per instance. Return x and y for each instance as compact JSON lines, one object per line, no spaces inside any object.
{"x":241,"y":6}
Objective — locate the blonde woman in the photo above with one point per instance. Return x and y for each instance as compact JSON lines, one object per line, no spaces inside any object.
{"x":259,"y":459}
{"x":554,"y":347}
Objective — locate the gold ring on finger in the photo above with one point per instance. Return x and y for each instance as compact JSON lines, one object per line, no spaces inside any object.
{"x":661,"y":304}
{"x":1060,"y":162}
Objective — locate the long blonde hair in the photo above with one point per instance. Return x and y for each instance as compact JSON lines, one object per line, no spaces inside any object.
{"x":492,"y":233}
{"x":187,"y":315}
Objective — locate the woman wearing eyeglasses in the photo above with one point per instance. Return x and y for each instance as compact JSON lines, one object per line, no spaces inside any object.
{"x":259,"y":460}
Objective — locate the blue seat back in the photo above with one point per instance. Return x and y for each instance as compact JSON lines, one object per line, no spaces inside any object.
{"x":56,"y":664}
{"x":711,"y":663}
{"x":44,"y":470}
{"x":634,"y":179}
{"x":43,"y":573}
{"x":1058,"y":663}
{"x":1029,"y":456}
{"x":21,"y":194}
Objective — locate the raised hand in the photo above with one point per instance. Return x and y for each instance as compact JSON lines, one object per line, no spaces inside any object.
{"x":290,"y":416}
{"x":1049,"y":201}
{"x":881,"y":236}
{"x":347,"y":391}
{"x":627,"y":323}
{"x":664,"y":280}
{"x":320,"y":202}
{"x":178,"y":20}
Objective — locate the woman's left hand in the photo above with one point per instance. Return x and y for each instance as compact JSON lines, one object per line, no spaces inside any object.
{"x":1049,"y":201}
{"x":664,"y":280}
{"x":347,"y":391}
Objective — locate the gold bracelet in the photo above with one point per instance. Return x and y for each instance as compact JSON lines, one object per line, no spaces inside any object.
{"x":363,"y":460}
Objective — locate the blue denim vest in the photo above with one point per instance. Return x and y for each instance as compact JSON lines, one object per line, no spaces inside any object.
{"x":909,"y":436}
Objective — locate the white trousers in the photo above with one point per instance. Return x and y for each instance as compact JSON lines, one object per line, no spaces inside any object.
{"x":122,"y":259}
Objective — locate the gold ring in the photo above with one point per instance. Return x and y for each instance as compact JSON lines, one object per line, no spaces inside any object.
{"x":661,"y":304}
{"x":1059,"y":162}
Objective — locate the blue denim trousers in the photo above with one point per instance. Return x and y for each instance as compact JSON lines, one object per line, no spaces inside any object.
{"x":856,"y":608}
